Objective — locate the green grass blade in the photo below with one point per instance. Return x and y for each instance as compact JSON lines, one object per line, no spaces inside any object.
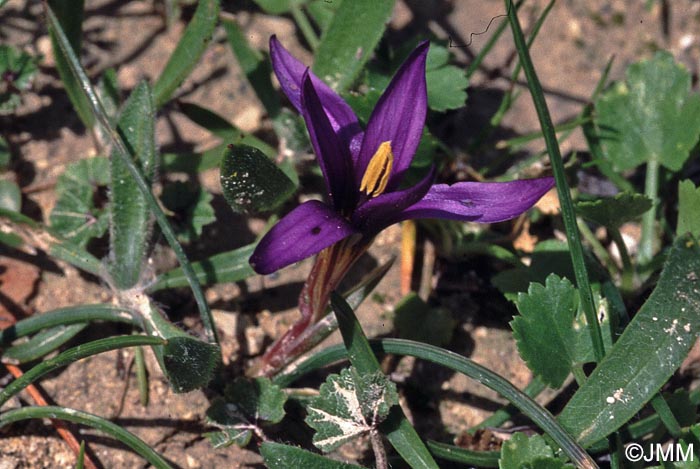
{"x":349,"y":41}
{"x":188,"y":51}
{"x":120,"y":150}
{"x":256,"y":68}
{"x":231,"y":266}
{"x":131,"y":220}
{"x":567,"y":206}
{"x":460,"y":364}
{"x":83,"y":418}
{"x":70,"y":16}
{"x":397,"y":429}
{"x":65,"y":317}
{"x":661,"y":332}
{"x":41,"y":344}
{"x":72,"y":355}
{"x":464,"y":456}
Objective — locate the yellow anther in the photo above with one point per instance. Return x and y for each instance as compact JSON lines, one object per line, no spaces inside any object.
{"x":378,"y":171}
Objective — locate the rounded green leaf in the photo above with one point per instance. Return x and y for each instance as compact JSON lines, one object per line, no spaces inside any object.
{"x":251,"y":182}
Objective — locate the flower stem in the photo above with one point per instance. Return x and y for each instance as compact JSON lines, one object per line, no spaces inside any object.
{"x":567,"y":206}
{"x":378,"y":448}
{"x":305,"y":27}
{"x":627,"y":268}
{"x":651,"y":189}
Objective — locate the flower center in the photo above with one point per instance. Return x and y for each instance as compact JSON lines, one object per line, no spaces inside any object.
{"x":378,"y":171}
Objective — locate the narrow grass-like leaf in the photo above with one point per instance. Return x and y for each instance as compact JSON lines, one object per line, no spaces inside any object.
{"x":120,"y":149}
{"x":69,"y":13}
{"x":72,"y":355}
{"x":350,"y":40}
{"x":231,"y":266}
{"x":397,"y":429}
{"x":460,"y":364}
{"x":131,"y":219}
{"x":83,"y":418}
{"x":279,"y":456}
{"x":463,"y":456}
{"x":256,"y":68}
{"x":64,"y":317}
{"x":41,"y":344}
{"x":662,"y":332}
{"x":688,"y":209}
{"x":251,"y":183}
{"x":192,"y":163}
{"x":567,"y":207}
{"x":188,"y":51}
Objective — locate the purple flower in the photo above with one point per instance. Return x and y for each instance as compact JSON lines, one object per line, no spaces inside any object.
{"x":363,"y":169}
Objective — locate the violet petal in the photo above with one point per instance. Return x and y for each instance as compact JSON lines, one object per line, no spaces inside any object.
{"x":290,"y":72}
{"x":332,"y":155}
{"x":306,"y":230}
{"x":481,"y":202}
{"x":398,"y":117}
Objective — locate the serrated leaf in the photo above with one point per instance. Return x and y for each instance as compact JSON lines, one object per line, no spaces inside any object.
{"x":661,"y":333}
{"x":415,"y":320}
{"x":544,"y":329}
{"x":76,"y":217}
{"x":348,"y":405}
{"x":258,"y":399}
{"x":17,"y":69}
{"x":131,"y":220}
{"x":235,"y":428}
{"x":192,"y":209}
{"x":188,"y":51}
{"x":651,"y":116}
{"x":615,"y":211}
{"x":350,"y":40}
{"x":279,"y":456}
{"x":523,"y":452}
{"x":688,"y":209}
{"x":251,"y":183}
{"x":10,"y":196}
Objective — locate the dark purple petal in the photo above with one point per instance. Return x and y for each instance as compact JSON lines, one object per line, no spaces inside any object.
{"x":333,"y":157}
{"x":306,"y":230}
{"x":398,"y":117}
{"x":376,"y":214}
{"x":290,"y":72}
{"x":481,"y":202}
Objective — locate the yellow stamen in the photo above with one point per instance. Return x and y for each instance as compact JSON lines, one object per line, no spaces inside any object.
{"x":378,"y":171}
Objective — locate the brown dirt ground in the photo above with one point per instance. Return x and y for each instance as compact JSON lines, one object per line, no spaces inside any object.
{"x":573,"y":47}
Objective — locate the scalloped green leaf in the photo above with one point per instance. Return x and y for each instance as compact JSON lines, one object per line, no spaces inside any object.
{"x":661,"y":332}
{"x":251,"y":183}
{"x":235,"y":429}
{"x":688,"y":209}
{"x":349,"y":405}
{"x":279,"y":456}
{"x":10,"y":196}
{"x":523,"y":452}
{"x":650,"y":116}
{"x":78,"y":215}
{"x":447,"y":84}
{"x":615,"y":211}
{"x":436,"y":324}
